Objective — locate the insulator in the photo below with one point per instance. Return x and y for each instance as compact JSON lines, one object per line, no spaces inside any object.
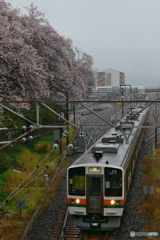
{"x":31,"y":126}
{"x":45,"y":177}
{"x":55,"y":146}
{"x":23,"y":139}
{"x":70,"y":146}
{"x":24,"y":127}
{"x":30,"y":138}
{"x":81,"y":134}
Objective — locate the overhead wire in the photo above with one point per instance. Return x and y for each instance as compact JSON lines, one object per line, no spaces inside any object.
{"x":11,"y":195}
{"x":13,"y":212}
{"x":8,"y":215}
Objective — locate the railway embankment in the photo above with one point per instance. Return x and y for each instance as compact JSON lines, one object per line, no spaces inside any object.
{"x":151,"y":177}
{"x":135,"y":217}
{"x":22,"y":160}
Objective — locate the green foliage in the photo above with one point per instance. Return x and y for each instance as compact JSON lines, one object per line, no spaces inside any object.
{"x":20,"y":224}
{"x":31,"y":205}
{"x":45,"y":115}
{"x":10,"y":120}
{"x":4,"y":164}
{"x":66,"y":162}
{"x":4,"y":177}
{"x":26,"y":156}
{"x":41,"y":147}
{"x":155,"y":172}
{"x":3,"y":196}
{"x":43,"y":202}
{"x":152,"y":155}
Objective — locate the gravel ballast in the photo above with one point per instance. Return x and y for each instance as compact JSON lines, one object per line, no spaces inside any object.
{"x":45,"y":223}
{"x":131,"y":219}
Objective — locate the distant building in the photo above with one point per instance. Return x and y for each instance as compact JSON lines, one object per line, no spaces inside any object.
{"x":110,"y":77}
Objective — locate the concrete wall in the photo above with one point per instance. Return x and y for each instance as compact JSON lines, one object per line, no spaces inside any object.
{"x":110,"y":77}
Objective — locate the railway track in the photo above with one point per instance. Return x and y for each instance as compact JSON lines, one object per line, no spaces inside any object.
{"x":126,"y":227}
{"x":92,"y":134}
{"x":71,"y":232}
{"x":95,"y":235}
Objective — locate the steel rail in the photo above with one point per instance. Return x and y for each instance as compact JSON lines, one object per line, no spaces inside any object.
{"x":63,"y":226}
{"x":97,"y":115}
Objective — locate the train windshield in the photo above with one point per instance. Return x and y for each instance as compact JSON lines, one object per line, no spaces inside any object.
{"x":77,"y":181}
{"x":113,"y":182}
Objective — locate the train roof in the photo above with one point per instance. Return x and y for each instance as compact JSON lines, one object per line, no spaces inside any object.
{"x":93,"y":165}
{"x":114,"y":147}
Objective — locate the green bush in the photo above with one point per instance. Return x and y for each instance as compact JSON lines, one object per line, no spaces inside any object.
{"x":41,"y":147}
{"x":3,"y":196}
{"x":4,"y":177}
{"x":4,"y":164}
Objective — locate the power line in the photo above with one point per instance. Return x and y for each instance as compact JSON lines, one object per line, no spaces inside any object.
{"x":12,"y":194}
{"x":10,"y":214}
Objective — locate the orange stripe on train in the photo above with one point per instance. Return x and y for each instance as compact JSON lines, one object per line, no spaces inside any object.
{"x":83,"y":201}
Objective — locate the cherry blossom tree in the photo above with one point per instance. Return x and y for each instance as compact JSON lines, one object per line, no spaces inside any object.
{"x":20,"y":72}
{"x":86,"y":72}
{"x":36,"y":62}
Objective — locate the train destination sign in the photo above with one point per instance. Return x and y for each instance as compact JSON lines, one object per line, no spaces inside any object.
{"x":94,"y":169}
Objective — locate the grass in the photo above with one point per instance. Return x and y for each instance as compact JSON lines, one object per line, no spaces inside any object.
{"x":151,"y":175}
{"x":152,"y":155}
{"x":24,"y":158}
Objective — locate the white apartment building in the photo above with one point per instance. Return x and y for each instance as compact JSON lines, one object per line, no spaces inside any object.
{"x":110,"y":77}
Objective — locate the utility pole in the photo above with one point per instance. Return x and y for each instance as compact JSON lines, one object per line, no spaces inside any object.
{"x":67,"y":117}
{"x":61,"y":130}
{"x":130,"y":100}
{"x":130,"y":94}
{"x":74,"y":109}
{"x":122,"y":102}
{"x":156,"y":124}
{"x":136,"y":95}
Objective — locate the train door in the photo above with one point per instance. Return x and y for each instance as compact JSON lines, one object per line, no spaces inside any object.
{"x":94,"y":193}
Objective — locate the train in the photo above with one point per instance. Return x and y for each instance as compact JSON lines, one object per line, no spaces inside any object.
{"x":99,"y":180}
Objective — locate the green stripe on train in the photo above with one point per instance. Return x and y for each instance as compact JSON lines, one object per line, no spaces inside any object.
{"x":76,"y":205}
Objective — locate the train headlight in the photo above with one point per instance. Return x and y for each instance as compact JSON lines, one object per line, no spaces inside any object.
{"x":112,"y":202}
{"x":78,"y":201}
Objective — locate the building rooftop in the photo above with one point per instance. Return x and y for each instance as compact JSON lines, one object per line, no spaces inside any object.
{"x":111,"y":69}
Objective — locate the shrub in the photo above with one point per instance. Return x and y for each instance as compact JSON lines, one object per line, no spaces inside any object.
{"x":3,"y":196}
{"x":4,"y":165}
{"x":41,"y":147}
{"x":158,"y":151}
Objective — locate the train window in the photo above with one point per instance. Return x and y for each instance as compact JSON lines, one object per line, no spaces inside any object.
{"x":113,"y":182}
{"x":94,"y":186}
{"x":77,"y":181}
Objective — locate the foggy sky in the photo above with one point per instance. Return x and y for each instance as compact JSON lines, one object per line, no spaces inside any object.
{"x":119,"y":34}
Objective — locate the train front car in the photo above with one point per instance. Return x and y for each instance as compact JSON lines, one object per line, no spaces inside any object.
{"x":95,"y":196}
{"x":99,"y":180}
